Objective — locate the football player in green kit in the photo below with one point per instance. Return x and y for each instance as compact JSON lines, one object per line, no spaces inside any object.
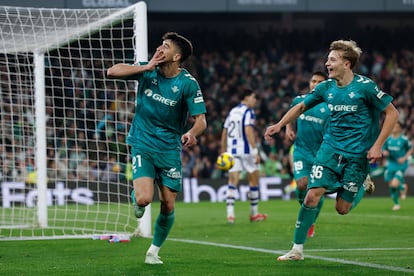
{"x":397,"y":149}
{"x":310,"y":127}
{"x":353,"y":139}
{"x":166,"y":95}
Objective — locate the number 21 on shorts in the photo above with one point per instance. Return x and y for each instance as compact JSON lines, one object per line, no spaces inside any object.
{"x":136,"y":162}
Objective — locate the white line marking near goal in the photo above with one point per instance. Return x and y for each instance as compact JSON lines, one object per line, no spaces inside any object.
{"x":335,"y":260}
{"x":360,"y":249}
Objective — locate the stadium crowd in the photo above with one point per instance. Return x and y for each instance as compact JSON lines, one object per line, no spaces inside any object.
{"x":88,"y":120}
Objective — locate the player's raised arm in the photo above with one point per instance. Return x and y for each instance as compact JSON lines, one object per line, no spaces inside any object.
{"x":124,"y":70}
{"x":121,"y":70}
{"x":290,"y":116}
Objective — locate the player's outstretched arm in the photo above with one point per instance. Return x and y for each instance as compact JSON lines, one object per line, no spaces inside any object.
{"x":122,"y":70}
{"x":406,"y":156}
{"x":391,"y":118}
{"x":290,"y":116}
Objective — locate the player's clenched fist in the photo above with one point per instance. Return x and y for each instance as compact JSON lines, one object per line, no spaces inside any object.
{"x":270,"y":131}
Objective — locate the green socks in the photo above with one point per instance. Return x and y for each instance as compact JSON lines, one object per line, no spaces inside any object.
{"x":306,"y":218}
{"x":395,"y":195}
{"x":358,"y":197}
{"x":300,"y":195}
{"x":162,"y":228}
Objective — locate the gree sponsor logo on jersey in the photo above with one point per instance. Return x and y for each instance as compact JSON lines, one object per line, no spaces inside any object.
{"x":395,"y":148}
{"x":159,"y":98}
{"x":311,"y":119}
{"x":343,"y":107}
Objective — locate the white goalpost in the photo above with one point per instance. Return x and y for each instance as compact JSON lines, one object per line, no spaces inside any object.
{"x":64,"y":163}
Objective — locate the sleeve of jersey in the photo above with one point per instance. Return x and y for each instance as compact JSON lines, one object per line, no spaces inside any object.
{"x":137,"y":76}
{"x":377,"y":97}
{"x":226,"y":123}
{"x":250,"y":118}
{"x":295,"y":101}
{"x":195,"y":100}
{"x":315,"y":96}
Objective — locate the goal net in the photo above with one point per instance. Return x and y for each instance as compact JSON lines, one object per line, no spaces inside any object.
{"x":64,"y":163}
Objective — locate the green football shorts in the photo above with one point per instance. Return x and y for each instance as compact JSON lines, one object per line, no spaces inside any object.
{"x":302,"y":166}
{"x":391,"y":174}
{"x":338,"y":173}
{"x":164,"y":168}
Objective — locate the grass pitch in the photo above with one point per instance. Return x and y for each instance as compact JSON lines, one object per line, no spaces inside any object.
{"x":371,"y":240}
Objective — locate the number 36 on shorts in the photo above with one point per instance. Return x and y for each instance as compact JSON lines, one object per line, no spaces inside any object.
{"x":317,"y":172}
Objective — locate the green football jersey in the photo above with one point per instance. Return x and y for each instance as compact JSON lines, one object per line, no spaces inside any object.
{"x":162,"y":108}
{"x":310,"y":128}
{"x":355,"y":113}
{"x":397,"y":147}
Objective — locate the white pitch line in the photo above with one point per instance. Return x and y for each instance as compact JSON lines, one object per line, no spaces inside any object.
{"x":335,"y":260}
{"x":359,"y":249}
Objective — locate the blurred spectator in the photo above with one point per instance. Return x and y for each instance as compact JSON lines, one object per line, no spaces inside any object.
{"x":119,"y":147}
{"x":188,"y":163}
{"x":63,"y":173}
{"x":106,"y":126}
{"x":273,"y":62}
{"x":76,"y":155}
{"x":84,"y":171}
{"x":111,"y":170}
{"x":272,"y":166}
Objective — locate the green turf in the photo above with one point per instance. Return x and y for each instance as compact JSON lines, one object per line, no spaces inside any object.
{"x":371,"y":240}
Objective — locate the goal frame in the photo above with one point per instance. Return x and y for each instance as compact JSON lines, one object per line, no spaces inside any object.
{"x":139,"y":10}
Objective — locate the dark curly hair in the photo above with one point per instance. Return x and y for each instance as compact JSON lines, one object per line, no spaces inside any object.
{"x":184,"y":45}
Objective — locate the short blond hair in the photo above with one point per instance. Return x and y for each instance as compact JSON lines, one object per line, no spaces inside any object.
{"x":349,"y":48}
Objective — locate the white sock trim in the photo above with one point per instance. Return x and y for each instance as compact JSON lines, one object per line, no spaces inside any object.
{"x":298,"y":247}
{"x":153,"y":250}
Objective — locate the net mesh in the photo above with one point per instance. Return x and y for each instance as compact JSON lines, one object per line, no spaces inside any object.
{"x":87,"y":115}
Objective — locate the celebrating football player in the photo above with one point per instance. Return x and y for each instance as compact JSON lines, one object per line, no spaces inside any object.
{"x":353,"y":139}
{"x":166,"y":95}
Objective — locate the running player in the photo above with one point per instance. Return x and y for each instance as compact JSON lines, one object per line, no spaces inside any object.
{"x":310,"y":128}
{"x":352,"y":141}
{"x":397,"y":149}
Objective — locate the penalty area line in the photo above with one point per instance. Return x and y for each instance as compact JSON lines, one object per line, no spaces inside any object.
{"x":263,"y":250}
